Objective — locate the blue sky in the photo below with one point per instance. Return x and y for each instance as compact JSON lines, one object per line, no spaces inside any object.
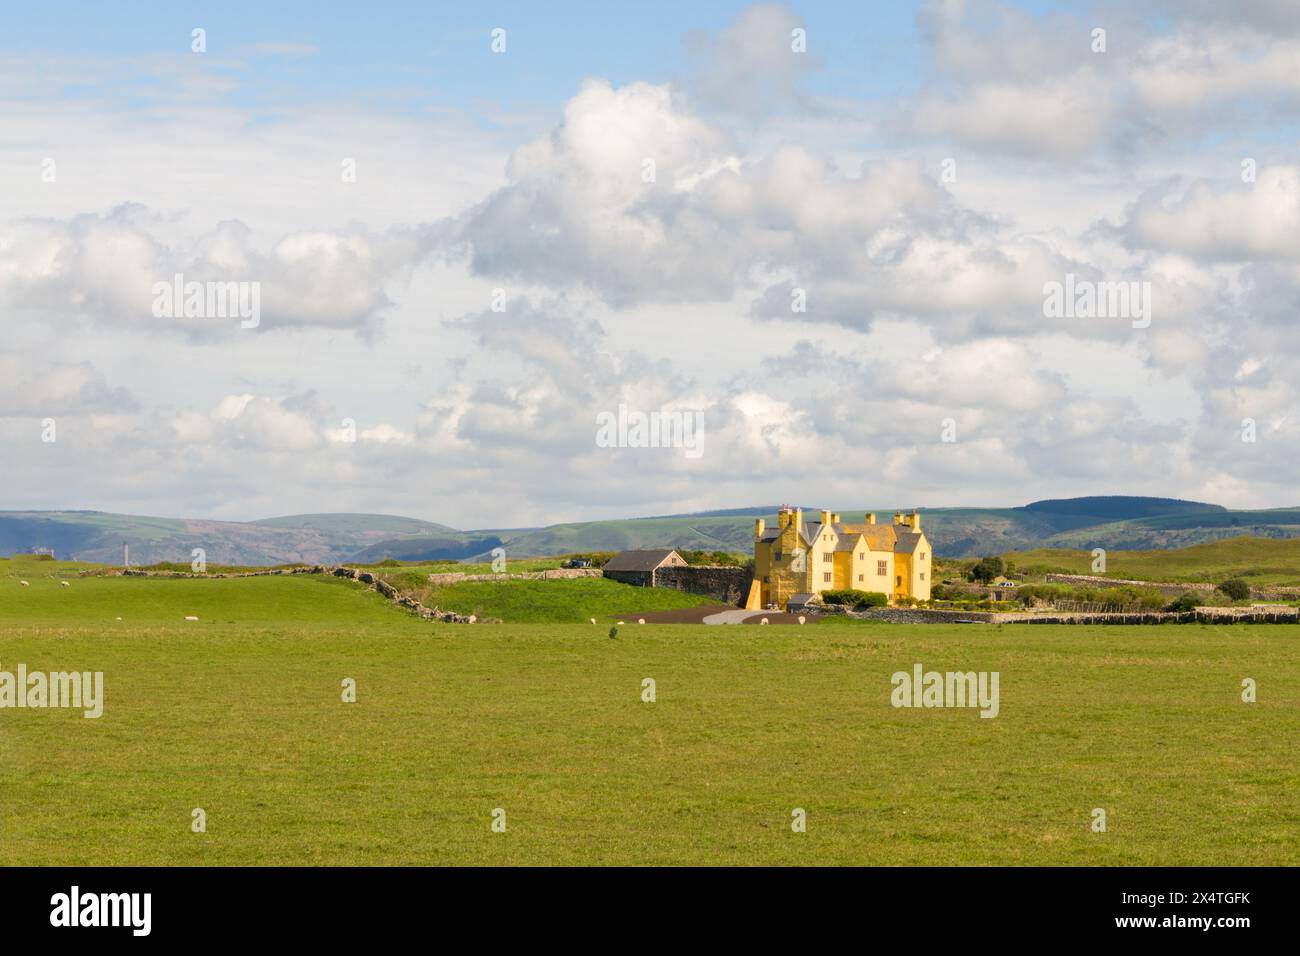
{"x":918,"y":179}
{"x":396,"y":55}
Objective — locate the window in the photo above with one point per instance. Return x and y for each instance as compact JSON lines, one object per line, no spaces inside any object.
{"x":900,"y":581}
{"x":922,"y":555}
{"x":882,"y":569}
{"x":778,"y":556}
{"x":829,"y":556}
{"x":861,"y":576}
{"x":922,"y":575}
{"x":862,"y":557}
{"x":827,"y":577}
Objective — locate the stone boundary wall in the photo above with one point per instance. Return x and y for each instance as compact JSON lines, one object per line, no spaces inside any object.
{"x":1174,"y":588}
{"x":1169,"y":588}
{"x":1202,"y":615}
{"x":554,"y":574}
{"x":724,"y":584}
{"x":369,"y":578}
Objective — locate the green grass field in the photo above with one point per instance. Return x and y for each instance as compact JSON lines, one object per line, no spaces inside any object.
{"x":1261,"y":561}
{"x":240,"y":714}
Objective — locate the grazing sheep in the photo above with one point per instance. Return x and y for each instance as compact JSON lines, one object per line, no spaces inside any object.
{"x":640,"y":620}
{"x":190,"y":617}
{"x":593,"y":620}
{"x":763,"y":621}
{"x":64,"y":584}
{"x":801,"y":618}
{"x":24,"y":584}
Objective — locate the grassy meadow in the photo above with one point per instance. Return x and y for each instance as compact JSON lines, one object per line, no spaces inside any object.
{"x":239,"y":713}
{"x":1261,"y":561}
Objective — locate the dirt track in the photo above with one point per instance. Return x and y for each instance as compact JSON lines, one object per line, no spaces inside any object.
{"x":696,"y":615}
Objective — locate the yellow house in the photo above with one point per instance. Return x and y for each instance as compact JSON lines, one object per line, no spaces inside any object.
{"x":795,"y":558}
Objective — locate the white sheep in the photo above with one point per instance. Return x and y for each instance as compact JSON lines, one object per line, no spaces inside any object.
{"x":640,"y":620}
{"x":763,"y":621}
{"x":190,"y":617}
{"x":801,"y":618}
{"x":65,"y":584}
{"x":593,"y":620}
{"x":24,"y":584}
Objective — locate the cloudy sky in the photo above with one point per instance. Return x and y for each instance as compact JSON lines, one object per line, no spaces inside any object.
{"x":825,"y":228}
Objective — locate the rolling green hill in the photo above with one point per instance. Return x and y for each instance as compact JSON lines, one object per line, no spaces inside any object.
{"x":1258,"y":561}
{"x":1117,"y":523}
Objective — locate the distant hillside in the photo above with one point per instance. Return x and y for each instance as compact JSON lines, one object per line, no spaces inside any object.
{"x":98,"y":537}
{"x":1115,"y":522}
{"x":344,"y":523}
{"x":1119,"y":507}
{"x":455,"y":546}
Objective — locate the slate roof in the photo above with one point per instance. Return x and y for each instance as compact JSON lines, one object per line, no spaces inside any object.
{"x":880,"y":537}
{"x":907,"y":541}
{"x":638,"y":560}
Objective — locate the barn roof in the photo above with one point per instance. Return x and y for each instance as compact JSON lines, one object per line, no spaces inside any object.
{"x":638,"y":560}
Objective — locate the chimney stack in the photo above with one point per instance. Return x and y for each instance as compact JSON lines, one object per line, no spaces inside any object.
{"x":914,"y":519}
{"x":826,"y":517}
{"x":758,"y":528}
{"x":871,"y":517}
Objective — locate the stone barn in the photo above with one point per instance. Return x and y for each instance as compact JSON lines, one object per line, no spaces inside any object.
{"x":639,"y":567}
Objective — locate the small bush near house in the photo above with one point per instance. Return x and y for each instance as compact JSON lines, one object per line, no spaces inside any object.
{"x":852,"y":597}
{"x":1184,"y":602}
{"x":1236,"y":588}
{"x":986,"y":569}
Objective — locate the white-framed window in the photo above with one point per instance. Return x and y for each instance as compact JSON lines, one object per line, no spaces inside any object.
{"x":826,"y":576}
{"x":882,"y":568}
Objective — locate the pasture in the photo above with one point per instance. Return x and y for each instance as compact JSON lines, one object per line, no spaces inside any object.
{"x":240,"y":714}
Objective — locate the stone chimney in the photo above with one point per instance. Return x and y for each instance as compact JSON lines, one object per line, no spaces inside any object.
{"x":835,"y":517}
{"x":871,"y":517}
{"x":898,"y":517}
{"x":914,"y":520}
{"x":826,"y":517}
{"x":759,"y":524}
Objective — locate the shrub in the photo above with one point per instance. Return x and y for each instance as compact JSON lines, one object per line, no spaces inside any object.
{"x":854,"y":598}
{"x":723,"y":559}
{"x":1184,"y":602}
{"x":986,"y":569}
{"x":1236,"y":588}
{"x":388,"y":563}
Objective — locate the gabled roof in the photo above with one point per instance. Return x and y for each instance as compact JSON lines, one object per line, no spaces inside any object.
{"x":907,"y":541}
{"x":638,"y":560}
{"x":849,"y":540}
